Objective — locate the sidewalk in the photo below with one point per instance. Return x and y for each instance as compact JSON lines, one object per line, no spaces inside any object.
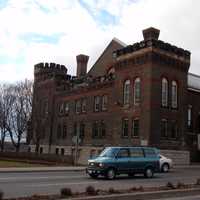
{"x":74,"y":168}
{"x":41,"y":169}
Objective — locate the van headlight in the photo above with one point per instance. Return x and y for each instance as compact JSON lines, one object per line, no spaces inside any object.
{"x":101,"y":165}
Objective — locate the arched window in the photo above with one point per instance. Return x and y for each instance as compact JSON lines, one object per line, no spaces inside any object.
{"x":174,"y":94}
{"x":164,"y":92}
{"x":137,"y":91}
{"x":126,"y":92}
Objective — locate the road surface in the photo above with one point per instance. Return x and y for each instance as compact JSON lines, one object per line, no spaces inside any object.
{"x":29,"y":183}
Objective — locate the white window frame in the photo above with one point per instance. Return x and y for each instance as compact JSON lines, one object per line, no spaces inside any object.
{"x":126,"y":92}
{"x":137,"y":91}
{"x":164,"y":92}
{"x":174,"y":94}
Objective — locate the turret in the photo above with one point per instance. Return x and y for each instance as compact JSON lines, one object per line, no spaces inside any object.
{"x":43,"y":71}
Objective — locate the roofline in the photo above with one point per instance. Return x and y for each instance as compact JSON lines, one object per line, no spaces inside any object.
{"x":114,"y":39}
{"x":119,"y":41}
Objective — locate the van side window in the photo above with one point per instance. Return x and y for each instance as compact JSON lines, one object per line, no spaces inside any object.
{"x":150,"y":153}
{"x":123,"y":153}
{"x":136,"y":153}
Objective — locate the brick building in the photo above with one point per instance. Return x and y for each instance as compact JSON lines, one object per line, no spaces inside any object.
{"x":140,"y":94}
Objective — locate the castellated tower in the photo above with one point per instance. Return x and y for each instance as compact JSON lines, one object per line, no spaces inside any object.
{"x":47,"y":77}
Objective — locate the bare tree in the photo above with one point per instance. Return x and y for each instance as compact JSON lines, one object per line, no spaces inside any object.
{"x":20,"y":112}
{"x":6,"y":102}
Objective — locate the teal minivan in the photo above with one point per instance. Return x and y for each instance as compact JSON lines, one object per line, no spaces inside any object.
{"x":124,"y":160}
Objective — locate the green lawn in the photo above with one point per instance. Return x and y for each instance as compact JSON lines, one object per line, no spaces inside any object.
{"x":5,"y":163}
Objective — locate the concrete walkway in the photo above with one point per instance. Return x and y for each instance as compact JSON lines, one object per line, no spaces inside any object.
{"x":41,"y":169}
{"x":73,"y":168}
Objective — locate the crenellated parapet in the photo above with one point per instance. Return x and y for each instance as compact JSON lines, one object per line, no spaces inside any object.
{"x":151,"y":43}
{"x":43,"y":71}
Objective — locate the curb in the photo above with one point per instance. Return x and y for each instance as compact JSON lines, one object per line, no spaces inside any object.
{"x":144,"y":195}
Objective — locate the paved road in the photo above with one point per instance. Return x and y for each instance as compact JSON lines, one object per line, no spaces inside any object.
{"x":28,"y":183}
{"x":196,"y":197}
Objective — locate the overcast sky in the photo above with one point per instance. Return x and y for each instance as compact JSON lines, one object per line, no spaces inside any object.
{"x":33,"y":31}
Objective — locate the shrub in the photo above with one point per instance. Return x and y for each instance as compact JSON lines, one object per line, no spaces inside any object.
{"x":180,"y":185}
{"x":1,"y":194}
{"x":111,"y":190}
{"x":90,"y":190}
{"x":170,"y":185}
{"x":141,"y":188}
{"x":133,"y":189}
{"x":66,"y":192}
{"x":198,"y":181}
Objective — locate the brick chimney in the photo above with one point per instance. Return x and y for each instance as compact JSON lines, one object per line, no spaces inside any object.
{"x":151,"y":33}
{"x":82,"y":61}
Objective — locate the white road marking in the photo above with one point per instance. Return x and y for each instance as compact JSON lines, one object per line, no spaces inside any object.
{"x":57,"y":184}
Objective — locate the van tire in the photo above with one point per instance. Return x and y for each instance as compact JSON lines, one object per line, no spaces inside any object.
{"x":110,"y":175}
{"x":165,"y":168}
{"x":149,"y":172}
{"x":93,"y":175}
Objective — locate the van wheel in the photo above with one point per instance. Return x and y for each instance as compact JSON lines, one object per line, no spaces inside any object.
{"x":165,"y":168}
{"x":110,"y":174}
{"x":93,"y":175}
{"x":149,"y":172}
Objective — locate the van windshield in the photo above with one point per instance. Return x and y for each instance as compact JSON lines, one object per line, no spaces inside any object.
{"x":108,"y":152}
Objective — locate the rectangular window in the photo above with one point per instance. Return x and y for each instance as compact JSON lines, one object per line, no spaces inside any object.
{"x":174,"y":129}
{"x":59,"y":131}
{"x":66,"y":107}
{"x":82,"y":130}
{"x":135,"y":127}
{"x":96,"y":103}
{"x":75,"y":129}
{"x":123,"y":153}
{"x":189,"y":122}
{"x":46,"y":108}
{"x":150,"y":152}
{"x":136,"y":152}
{"x":174,"y":94}
{"x":125,"y":128}
{"x":78,"y":106}
{"x":104,"y":102}
{"x":103,"y":129}
{"x":95,"y":133}
{"x":126,"y":91}
{"x":61,"y":108}
{"x":64,"y":135}
{"x":62,"y":151}
{"x":164,"y":125}
{"x":57,"y":151}
{"x":83,"y":105}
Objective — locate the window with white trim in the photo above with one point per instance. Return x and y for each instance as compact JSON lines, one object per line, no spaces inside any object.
{"x":174,"y":94}
{"x":189,"y":121}
{"x":96,"y":103}
{"x":125,"y":127}
{"x":164,"y":128}
{"x":126,"y":92}
{"x":137,"y":91}
{"x":164,"y":92}
{"x":104,"y":102}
